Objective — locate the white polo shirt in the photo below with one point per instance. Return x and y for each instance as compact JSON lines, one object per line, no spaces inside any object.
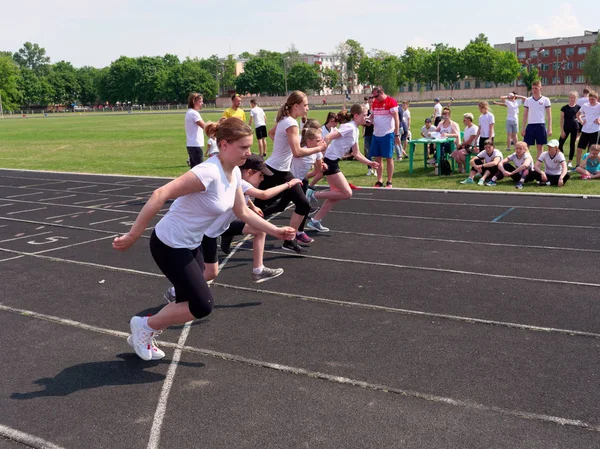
{"x":517,"y":161}
{"x":194,"y":134}
{"x":591,"y":113}
{"x":340,"y":146}
{"x":485,"y":120}
{"x":258,"y":116}
{"x":553,"y":165}
{"x":537,"y":110}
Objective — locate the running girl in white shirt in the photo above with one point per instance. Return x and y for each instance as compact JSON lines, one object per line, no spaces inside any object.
{"x":201,"y":195}
{"x":340,"y":140}
{"x":286,"y":146}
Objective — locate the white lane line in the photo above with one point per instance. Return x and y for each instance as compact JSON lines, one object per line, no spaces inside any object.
{"x":42,"y":184}
{"x":130,"y":181}
{"x":459,"y":318}
{"x":85,"y":208}
{"x":26,"y":439}
{"x":9,"y":204}
{"x":313,"y":298}
{"x":112,"y":219}
{"x":467,"y":404}
{"x":56,"y":198}
{"x":24,"y":211}
{"x":11,"y":258}
{"x":90,"y":201}
{"x":25,"y":237}
{"x":462,"y":220}
{"x":112,"y":190}
{"x":487,"y":206}
{"x":106,"y":237}
{"x":59,"y":225}
{"x":82,"y":187}
{"x":468,"y":242}
{"x":25,"y":194}
{"x":70,"y":214}
{"x":144,"y":193}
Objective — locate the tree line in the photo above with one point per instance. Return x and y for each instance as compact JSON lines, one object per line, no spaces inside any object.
{"x":29,"y":79}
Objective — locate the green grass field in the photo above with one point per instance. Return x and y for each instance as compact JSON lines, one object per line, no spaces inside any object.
{"x":154,"y":145}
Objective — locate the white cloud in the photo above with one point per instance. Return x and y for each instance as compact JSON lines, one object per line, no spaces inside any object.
{"x":563,"y":24}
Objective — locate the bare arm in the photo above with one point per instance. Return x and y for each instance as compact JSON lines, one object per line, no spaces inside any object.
{"x":360,"y":158}
{"x":500,"y":103}
{"x":273,"y":191}
{"x":549,"y":119}
{"x":250,"y":121}
{"x":271,"y":132}
{"x":200,"y":123}
{"x":185,"y":184}
{"x":247,"y":216}
{"x":525,"y":119}
{"x":294,"y":142}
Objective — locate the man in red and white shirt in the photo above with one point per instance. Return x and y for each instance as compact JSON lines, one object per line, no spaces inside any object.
{"x":386,"y":133}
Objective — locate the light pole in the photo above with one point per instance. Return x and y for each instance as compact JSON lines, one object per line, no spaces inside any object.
{"x":285,"y":74}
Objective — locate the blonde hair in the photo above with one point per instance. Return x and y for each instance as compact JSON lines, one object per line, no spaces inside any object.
{"x":310,"y":125}
{"x":231,"y":129}
{"x":295,"y":97}
{"x":192,"y":99}
{"x":593,"y":94}
{"x":574,"y":93}
{"x":520,"y":143}
{"x":310,"y":133}
{"x":483,"y":104}
{"x":469,"y":116}
{"x":594,"y":147}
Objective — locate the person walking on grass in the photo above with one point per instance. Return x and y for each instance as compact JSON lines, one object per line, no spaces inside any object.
{"x":537,"y":118}
{"x":286,"y":146}
{"x":194,"y":126}
{"x":201,"y":195}
{"x":258,"y":116}
{"x":339,"y":141}
{"x":487,"y":122}
{"x":386,"y":134}
{"x":485,"y":164}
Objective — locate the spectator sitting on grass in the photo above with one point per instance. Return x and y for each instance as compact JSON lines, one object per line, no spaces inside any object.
{"x":523,"y":162}
{"x":591,"y":161}
{"x":468,"y":144}
{"x":485,"y":164}
{"x":556,"y":171}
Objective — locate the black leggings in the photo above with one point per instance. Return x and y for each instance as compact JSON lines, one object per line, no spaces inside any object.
{"x":527,"y":174}
{"x":281,"y":201}
{"x":561,"y":141}
{"x":552,"y":178}
{"x":184,"y":268}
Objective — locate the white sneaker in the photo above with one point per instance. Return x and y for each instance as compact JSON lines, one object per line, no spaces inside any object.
{"x":266,"y":274}
{"x":570,"y":164}
{"x":157,"y":353}
{"x":141,"y":339}
{"x":370,"y":172}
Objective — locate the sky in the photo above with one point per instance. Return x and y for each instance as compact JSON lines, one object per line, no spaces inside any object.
{"x":96,"y":33}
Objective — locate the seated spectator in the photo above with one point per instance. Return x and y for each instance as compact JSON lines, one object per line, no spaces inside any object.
{"x":485,"y":164}
{"x":555,"y":164}
{"x":590,"y":164}
{"x":522,"y":160}
{"x":447,"y":128}
{"x":426,"y":131}
{"x":468,"y":144}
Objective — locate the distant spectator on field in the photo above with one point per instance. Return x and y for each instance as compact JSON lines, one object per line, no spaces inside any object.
{"x":590,"y":118}
{"x":537,"y":118}
{"x":235,"y":110}
{"x":555,"y":171}
{"x":584,"y":98}
{"x":569,"y":125}
{"x":258,"y":116}
{"x":386,"y":134}
{"x":406,"y":122}
{"x":590,"y":164}
{"x":447,"y":128}
{"x":210,"y":129}
{"x":426,"y":131}
{"x":437,"y":110}
{"x":468,"y":144}
{"x":194,"y":126}
{"x":512,"y":101}
{"x":368,"y":135}
{"x":487,"y":123}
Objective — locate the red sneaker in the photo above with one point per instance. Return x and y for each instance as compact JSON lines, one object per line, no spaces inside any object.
{"x":388,"y":185}
{"x":353,"y":187}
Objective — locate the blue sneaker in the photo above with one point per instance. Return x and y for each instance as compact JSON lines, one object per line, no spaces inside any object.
{"x":468,"y":181}
{"x":310,"y":196}
{"x":491,"y":183}
{"x":519,"y":185}
{"x":316,"y":226}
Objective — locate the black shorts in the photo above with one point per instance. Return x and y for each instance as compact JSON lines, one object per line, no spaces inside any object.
{"x":185,"y":270}
{"x":587,"y":139}
{"x":333,"y":166}
{"x":235,"y":228}
{"x":209,"y":249}
{"x":261,"y":132}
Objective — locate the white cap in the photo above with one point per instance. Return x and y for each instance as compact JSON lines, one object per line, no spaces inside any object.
{"x":553,"y":143}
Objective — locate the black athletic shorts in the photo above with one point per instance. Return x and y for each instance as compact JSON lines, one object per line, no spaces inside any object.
{"x":235,"y":228}
{"x":587,"y":139}
{"x":261,"y":132}
{"x":333,"y":166}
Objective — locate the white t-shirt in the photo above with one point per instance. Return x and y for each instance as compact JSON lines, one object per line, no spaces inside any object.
{"x":282,"y":156}
{"x":437,"y":108}
{"x":487,"y":158}
{"x":591,"y":113}
{"x":301,"y":165}
{"x":583,"y":100}
{"x":258,"y":116}
{"x":512,"y":106}
{"x":517,"y":162}
{"x":325,"y":131}
{"x":213,"y":148}
{"x":485,"y":120}
{"x":427,"y":132}
{"x":470,"y":131}
{"x":405,"y":117}
{"x":194,"y":134}
{"x":340,"y":146}
{"x":553,"y":165}
{"x":537,"y":110}
{"x":221,"y":224}
{"x":191,"y":215}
